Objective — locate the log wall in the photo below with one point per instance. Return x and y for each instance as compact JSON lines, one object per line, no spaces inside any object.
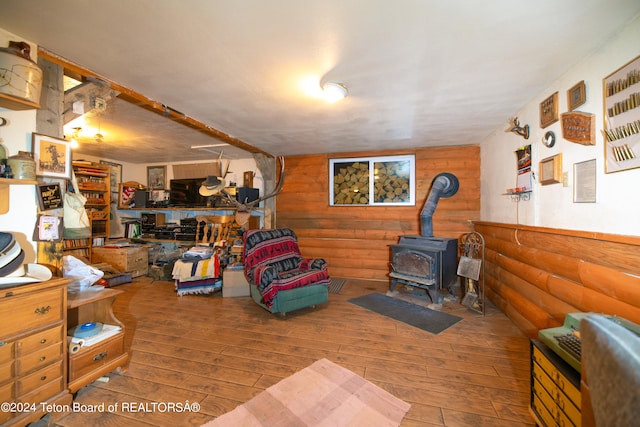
{"x":355,"y":239}
{"x":537,"y":275}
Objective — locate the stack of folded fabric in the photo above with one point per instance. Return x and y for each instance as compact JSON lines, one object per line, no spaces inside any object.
{"x":197,"y":272}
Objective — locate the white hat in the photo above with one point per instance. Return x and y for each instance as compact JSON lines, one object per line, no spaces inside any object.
{"x":212,"y":185}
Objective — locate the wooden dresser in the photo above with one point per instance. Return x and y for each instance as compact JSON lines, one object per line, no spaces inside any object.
{"x":33,"y":349}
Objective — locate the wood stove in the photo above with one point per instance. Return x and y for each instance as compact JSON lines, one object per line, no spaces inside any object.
{"x":424,"y":261}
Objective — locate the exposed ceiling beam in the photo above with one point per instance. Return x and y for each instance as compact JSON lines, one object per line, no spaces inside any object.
{"x":156,"y":107}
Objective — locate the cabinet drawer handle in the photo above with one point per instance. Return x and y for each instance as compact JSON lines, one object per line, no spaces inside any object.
{"x":100,"y":356}
{"x":43,"y":358}
{"x":43,"y":340}
{"x":42,"y":378}
{"x":43,"y":310}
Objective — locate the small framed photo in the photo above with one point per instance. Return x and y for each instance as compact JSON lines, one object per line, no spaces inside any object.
{"x":551,"y":170}
{"x":576,"y":96}
{"x":584,"y":182}
{"x":156,"y":177}
{"x":49,"y":196}
{"x":549,"y":111}
{"x":52,"y":156}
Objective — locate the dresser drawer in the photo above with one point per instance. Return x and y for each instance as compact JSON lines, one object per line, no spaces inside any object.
{"x":556,"y":403}
{"x":42,"y":394}
{"x":7,"y":371}
{"x":562,"y":383}
{"x":38,"y":359}
{"x":6,"y":351}
{"x":6,"y":392}
{"x":29,"y":311}
{"x":39,"y":341}
{"x":30,"y":382}
{"x":93,"y":357}
{"x":4,"y":416}
{"x":6,"y":395}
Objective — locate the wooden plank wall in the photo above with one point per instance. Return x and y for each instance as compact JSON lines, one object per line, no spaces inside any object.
{"x":537,"y":275}
{"x":355,"y":239}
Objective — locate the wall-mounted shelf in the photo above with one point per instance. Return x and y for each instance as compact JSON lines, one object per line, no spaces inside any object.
{"x":519,"y":196}
{"x":16,"y":104}
{"x":4,"y":191}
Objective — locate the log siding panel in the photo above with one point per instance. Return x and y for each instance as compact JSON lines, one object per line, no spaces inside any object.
{"x":537,"y":275}
{"x":355,"y":239}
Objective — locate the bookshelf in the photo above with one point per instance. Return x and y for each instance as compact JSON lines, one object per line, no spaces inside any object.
{"x":94,"y":183}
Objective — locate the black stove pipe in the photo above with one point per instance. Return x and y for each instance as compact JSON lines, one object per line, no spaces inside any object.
{"x":443,"y":185}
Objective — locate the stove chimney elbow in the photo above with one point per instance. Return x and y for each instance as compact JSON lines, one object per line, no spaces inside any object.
{"x":443,"y":185}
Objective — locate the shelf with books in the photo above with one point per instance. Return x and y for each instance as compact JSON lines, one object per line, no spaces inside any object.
{"x":94,"y":182}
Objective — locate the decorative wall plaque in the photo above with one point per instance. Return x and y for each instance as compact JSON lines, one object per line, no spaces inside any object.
{"x":549,"y":110}
{"x":579,"y":127}
{"x":622,"y":118}
{"x":576,"y":96}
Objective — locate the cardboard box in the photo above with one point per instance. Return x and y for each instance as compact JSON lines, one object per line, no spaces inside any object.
{"x":234,"y":284}
{"x":129,"y":259}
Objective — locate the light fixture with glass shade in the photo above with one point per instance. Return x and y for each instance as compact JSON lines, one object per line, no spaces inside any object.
{"x":75,"y":136}
{"x":334,"y":91}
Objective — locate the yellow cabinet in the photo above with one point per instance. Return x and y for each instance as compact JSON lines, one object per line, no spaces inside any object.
{"x":555,"y":389}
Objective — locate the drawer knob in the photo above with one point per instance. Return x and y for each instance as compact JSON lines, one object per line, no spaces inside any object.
{"x":42,"y":378}
{"x":43,"y":340}
{"x":43,"y":310}
{"x":100,"y":356}
{"x":43,"y":358}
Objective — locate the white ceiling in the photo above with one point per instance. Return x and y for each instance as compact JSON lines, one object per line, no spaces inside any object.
{"x":420,"y":72}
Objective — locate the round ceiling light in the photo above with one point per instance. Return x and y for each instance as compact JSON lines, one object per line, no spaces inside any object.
{"x":334,"y":91}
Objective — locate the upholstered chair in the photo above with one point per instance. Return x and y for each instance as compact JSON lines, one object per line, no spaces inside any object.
{"x":280,"y":278}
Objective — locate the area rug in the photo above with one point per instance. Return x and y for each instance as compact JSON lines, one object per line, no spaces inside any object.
{"x":322,"y":394}
{"x":336,"y":285}
{"x":412,"y":314}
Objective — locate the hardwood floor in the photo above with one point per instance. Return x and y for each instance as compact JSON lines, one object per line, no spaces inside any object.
{"x":220,"y":352}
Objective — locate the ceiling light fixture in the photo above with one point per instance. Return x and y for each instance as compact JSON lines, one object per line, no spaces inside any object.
{"x":334,"y":91}
{"x":74,"y":137}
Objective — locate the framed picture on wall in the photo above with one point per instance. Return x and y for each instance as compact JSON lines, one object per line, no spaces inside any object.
{"x":549,"y":111}
{"x":115,"y":170}
{"x":551,"y":170}
{"x":584,"y":181}
{"x":52,"y":156}
{"x":576,"y":96}
{"x":126,"y":195}
{"x":156,"y":177}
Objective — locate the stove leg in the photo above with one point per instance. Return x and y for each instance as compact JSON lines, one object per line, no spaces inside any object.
{"x":429,"y":294}
{"x":393,"y":285}
{"x":437,"y":297}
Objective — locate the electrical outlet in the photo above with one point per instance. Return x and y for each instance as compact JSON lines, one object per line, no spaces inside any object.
{"x":565,"y":179}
